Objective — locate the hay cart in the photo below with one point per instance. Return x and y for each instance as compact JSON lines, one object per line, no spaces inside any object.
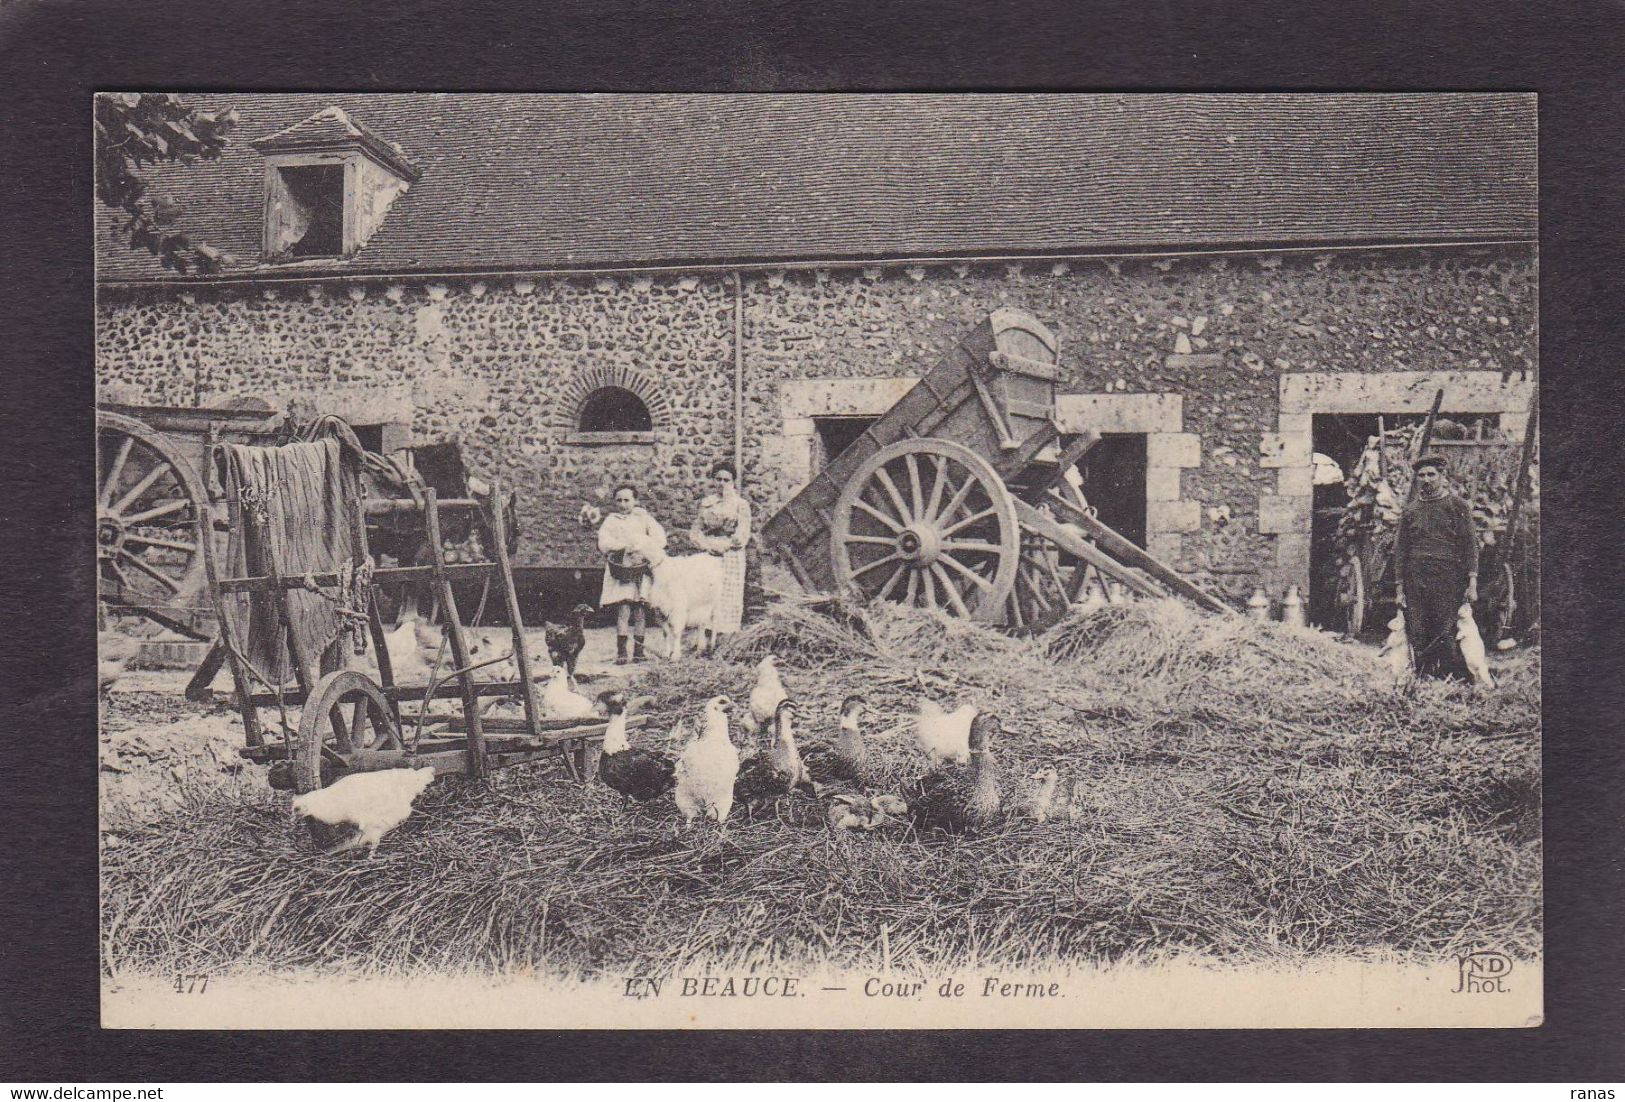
{"x":958,"y":497}
{"x":348,"y":721}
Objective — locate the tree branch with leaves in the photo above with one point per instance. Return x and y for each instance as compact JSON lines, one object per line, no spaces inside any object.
{"x":136,"y":129}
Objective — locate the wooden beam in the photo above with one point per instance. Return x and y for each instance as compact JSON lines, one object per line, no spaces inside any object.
{"x":1069,"y":457}
{"x":454,"y":631}
{"x":1122,"y":550}
{"x":265,"y":584}
{"x":1070,"y":542}
{"x":510,"y":601}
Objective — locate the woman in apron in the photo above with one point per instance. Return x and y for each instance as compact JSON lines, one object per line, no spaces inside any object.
{"x":722,"y":528}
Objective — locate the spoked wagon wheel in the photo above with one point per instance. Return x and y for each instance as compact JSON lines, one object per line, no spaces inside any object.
{"x":1354,"y":596}
{"x":147,"y":506}
{"x":346,"y":712}
{"x":1039,"y":598}
{"x":928,"y":523}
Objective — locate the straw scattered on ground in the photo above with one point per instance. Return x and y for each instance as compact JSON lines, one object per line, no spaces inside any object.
{"x":1245,"y":791}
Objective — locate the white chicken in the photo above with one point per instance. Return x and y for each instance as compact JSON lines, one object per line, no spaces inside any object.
{"x":1396,"y":649}
{"x":944,"y":736}
{"x":768,"y":694}
{"x":373,"y":803}
{"x":707,"y":767}
{"x":113,"y":653}
{"x":401,"y":644}
{"x":1472,"y":646}
{"x":559,"y":702}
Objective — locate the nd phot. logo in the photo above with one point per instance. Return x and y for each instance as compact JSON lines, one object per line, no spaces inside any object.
{"x":1482,"y":972}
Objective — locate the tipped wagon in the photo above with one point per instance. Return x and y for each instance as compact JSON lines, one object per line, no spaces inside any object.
{"x":960,"y":497}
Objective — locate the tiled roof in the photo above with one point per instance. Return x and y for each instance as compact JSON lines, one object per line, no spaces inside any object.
{"x":554,"y":181}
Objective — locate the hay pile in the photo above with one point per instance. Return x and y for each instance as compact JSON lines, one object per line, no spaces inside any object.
{"x":1243,"y":790}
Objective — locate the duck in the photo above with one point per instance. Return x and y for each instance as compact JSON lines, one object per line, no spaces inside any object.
{"x":639,"y":775}
{"x":851,"y":811}
{"x":957,"y":798}
{"x":944,"y":736}
{"x":766,"y":776}
{"x":1076,"y":805}
{"x":707,"y":767}
{"x":565,"y":643}
{"x":767,"y":693}
{"x":559,"y":701}
{"x":1041,"y":799}
{"x":846,"y":759}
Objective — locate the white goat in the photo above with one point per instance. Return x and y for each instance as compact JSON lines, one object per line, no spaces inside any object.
{"x":686,"y":591}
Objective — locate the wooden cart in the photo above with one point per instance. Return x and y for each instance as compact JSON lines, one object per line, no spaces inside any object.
{"x":958,"y":498}
{"x":347,"y":722}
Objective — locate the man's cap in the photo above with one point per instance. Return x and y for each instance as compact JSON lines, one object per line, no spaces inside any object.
{"x":1429,"y":461}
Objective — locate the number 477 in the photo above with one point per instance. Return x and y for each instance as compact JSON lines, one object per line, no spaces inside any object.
{"x":191,"y":984}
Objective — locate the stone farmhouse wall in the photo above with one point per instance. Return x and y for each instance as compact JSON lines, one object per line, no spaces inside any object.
{"x":1221,"y":360}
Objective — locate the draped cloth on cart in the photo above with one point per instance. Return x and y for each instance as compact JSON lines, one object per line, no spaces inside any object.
{"x":296,"y":508}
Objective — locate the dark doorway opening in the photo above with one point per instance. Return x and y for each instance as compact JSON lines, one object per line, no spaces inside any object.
{"x":1114,"y":483}
{"x":834,"y":436}
{"x":1341,"y":438}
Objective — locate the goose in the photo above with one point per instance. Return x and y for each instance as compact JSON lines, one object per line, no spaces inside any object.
{"x":957,"y":798}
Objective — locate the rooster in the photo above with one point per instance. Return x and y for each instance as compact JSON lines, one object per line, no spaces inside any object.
{"x":373,"y":803}
{"x":767,"y":695}
{"x":945,"y":736}
{"x":640,"y":775}
{"x":707,"y":767}
{"x":565,"y":644}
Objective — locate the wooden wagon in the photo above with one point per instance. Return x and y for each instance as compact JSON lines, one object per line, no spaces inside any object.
{"x":155,"y":482}
{"x":959,"y":498}
{"x":350,"y":722}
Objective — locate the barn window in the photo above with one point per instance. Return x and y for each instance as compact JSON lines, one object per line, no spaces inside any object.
{"x":309,"y":210}
{"x":613,"y":415}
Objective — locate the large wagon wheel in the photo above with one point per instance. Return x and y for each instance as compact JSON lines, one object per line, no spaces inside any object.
{"x":346,"y":711}
{"x":148,"y":503}
{"x":928,"y":522}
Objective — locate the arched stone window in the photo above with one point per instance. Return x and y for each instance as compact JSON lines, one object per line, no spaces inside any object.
{"x":613,"y":409}
{"x":611,"y":405}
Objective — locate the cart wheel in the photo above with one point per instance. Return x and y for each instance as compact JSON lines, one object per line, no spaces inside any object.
{"x":346,"y":711}
{"x":148,"y":503}
{"x":1356,"y":597}
{"x":1039,"y":599}
{"x":928,"y":523}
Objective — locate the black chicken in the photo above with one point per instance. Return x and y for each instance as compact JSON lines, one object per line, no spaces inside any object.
{"x":565,"y":643}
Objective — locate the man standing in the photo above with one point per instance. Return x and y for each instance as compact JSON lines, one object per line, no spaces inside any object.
{"x":1438,"y":569}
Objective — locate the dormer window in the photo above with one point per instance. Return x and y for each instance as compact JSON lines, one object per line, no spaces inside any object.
{"x":329,"y":181}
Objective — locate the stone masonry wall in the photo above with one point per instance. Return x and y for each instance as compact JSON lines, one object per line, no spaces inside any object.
{"x":499,"y":364}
